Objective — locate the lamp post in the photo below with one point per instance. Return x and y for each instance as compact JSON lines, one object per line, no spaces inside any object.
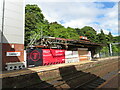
{"x":110,"y":49}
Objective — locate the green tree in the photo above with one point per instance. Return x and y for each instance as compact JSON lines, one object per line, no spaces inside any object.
{"x":105,"y":49}
{"x":116,"y":39}
{"x":72,"y":34}
{"x":57,"y":30}
{"x":80,"y":32}
{"x":89,"y":32}
{"x":101,"y":37}
{"x":115,"y":49}
{"x":110,"y":37}
{"x":34,"y":22}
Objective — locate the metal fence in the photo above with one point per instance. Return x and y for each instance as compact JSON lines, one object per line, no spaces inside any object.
{"x":102,"y":55}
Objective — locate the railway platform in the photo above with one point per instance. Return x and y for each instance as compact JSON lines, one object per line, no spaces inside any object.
{"x":62,"y":74}
{"x":48,"y":67}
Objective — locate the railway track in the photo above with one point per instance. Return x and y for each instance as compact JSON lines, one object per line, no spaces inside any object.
{"x":78,"y":76}
{"x":80,"y":79}
{"x":93,"y":83}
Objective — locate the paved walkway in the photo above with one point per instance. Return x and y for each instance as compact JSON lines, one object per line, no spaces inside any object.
{"x":45,"y":68}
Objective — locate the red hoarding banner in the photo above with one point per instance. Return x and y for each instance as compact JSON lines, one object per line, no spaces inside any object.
{"x":37,"y":57}
{"x":59,"y":55}
{"x":47,"y":57}
{"x":53,"y":56}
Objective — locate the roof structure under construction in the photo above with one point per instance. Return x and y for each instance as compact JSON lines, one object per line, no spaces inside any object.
{"x":62,"y":43}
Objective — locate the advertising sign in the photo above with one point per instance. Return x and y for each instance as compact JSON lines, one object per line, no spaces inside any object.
{"x":58,"y":52}
{"x":37,"y":57}
{"x":59,"y":55}
{"x":52,"y":56}
{"x":34,"y":57}
{"x":47,"y":57}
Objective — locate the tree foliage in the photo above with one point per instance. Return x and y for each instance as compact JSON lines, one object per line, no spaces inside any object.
{"x":33,"y":18}
{"x":89,"y":32}
{"x":101,"y":37}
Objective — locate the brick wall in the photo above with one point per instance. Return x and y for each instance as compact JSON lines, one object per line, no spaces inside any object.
{"x":8,"y":47}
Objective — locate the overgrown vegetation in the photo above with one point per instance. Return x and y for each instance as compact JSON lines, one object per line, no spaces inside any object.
{"x":35,"y":22}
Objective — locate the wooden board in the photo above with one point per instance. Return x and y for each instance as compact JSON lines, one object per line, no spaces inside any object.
{"x":83,"y":55}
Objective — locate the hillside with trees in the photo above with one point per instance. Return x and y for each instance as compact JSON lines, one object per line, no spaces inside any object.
{"x":35,"y":22}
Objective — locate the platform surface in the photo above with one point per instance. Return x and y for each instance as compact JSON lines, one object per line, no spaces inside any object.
{"x":45,"y":68}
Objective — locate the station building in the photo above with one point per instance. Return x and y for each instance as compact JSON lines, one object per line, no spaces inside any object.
{"x":11,"y":32}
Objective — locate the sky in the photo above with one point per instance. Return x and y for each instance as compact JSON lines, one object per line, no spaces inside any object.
{"x":99,"y":14}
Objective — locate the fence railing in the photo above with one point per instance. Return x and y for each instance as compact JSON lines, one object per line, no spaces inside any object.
{"x":102,"y":55}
